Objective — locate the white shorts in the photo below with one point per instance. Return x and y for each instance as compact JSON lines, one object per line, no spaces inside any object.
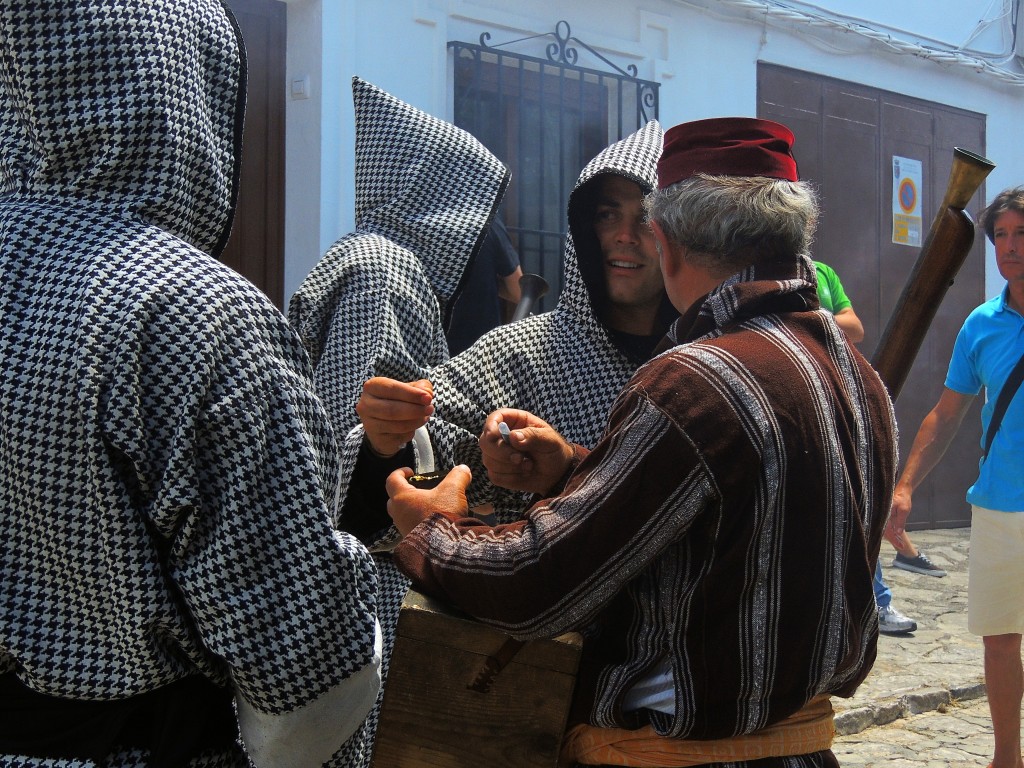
{"x":995,"y":573}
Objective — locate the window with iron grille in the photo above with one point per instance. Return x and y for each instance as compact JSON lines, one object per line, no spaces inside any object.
{"x":545,"y":118}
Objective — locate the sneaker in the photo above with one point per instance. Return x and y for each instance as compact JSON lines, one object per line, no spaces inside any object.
{"x":892,"y":622}
{"x":919,"y":564}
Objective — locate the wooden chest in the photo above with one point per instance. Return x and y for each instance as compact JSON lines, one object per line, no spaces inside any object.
{"x":447,"y":705}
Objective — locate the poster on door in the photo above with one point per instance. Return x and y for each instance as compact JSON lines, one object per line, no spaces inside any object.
{"x":906,"y":201}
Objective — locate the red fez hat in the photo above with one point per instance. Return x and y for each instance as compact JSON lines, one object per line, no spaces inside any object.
{"x":727,"y":146}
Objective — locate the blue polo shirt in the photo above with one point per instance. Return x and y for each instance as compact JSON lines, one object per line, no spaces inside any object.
{"x":987,"y":347}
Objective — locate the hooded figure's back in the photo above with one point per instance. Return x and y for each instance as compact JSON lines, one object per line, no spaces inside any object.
{"x":164,"y":464}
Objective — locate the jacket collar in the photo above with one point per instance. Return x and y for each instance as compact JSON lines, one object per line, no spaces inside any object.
{"x":756,"y":291}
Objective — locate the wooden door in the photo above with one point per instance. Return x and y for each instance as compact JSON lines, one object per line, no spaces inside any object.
{"x":846,"y":137}
{"x":256,"y":246}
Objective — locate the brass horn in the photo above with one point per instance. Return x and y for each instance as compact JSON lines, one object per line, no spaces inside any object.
{"x":531,"y":288}
{"x":945,"y":248}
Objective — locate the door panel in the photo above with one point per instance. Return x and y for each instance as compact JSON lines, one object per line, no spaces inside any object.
{"x":846,"y":137}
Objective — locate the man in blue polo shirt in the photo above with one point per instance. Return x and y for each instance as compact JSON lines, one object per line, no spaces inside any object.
{"x":988,"y":347}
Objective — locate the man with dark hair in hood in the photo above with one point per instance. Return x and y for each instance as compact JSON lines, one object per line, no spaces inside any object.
{"x":611,"y":314}
{"x":166,"y":469}
{"x":566,"y":364}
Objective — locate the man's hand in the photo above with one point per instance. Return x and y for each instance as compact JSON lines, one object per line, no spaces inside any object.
{"x":931,"y":441}
{"x":392,"y":410}
{"x":409,"y":506}
{"x":534,"y":458}
{"x":898,"y":514}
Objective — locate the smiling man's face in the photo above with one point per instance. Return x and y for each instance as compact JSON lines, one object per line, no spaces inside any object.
{"x":629,"y":256}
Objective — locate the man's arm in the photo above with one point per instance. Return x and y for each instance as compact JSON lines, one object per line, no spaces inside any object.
{"x":851,"y":325}
{"x":508,"y":286}
{"x":933,"y":438}
{"x":391,"y":411}
{"x":531,"y":578}
{"x":265,"y":464}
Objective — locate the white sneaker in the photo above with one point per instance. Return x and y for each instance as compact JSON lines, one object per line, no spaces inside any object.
{"x":892,"y":622}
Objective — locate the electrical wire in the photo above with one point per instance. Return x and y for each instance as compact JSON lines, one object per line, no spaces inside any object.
{"x":771,"y":10}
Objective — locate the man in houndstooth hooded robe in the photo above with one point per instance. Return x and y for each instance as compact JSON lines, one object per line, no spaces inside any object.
{"x":566,"y":365}
{"x":560,"y":364}
{"x":165,"y":467}
{"x":379,"y":301}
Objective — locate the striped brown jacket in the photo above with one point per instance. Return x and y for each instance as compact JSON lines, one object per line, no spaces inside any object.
{"x":729,"y":520}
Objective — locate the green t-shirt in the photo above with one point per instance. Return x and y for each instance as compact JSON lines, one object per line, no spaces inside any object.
{"x":830,"y":290}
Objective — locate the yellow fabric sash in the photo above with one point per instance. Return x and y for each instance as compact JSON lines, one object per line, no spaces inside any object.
{"x":809,"y":730}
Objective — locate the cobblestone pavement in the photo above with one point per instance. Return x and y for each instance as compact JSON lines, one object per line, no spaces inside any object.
{"x":922,"y":670}
{"x":923,"y":704}
{"x":957,"y":735}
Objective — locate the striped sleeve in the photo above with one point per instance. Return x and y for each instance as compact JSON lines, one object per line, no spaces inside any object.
{"x":635,"y":494}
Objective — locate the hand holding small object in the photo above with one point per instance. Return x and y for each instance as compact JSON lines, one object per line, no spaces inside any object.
{"x":391,"y":411}
{"x":409,"y":505}
{"x":523,"y":452}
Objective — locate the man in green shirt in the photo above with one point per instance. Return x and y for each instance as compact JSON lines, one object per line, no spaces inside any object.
{"x":834,"y":299}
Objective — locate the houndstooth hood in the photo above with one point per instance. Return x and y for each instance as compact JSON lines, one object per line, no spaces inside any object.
{"x":61,"y":134}
{"x":164,"y":465}
{"x":378,"y":301}
{"x":635,"y":158}
{"x":424,"y":184}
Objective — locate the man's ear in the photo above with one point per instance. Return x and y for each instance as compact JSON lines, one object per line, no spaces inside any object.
{"x":669,"y":256}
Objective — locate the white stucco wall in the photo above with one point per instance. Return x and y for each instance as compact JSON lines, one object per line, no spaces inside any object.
{"x":703,"y":52}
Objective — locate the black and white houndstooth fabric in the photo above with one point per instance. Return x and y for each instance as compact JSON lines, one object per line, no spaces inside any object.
{"x":378,"y":301}
{"x":165,"y":467}
{"x":561,"y":365}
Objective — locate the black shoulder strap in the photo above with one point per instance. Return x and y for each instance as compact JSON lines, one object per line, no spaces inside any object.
{"x":1005,"y":396}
